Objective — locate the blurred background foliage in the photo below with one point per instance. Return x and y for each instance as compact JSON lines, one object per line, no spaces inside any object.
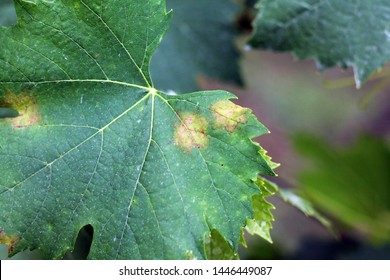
{"x":332,"y":140}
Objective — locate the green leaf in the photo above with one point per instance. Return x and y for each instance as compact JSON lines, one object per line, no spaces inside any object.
{"x":7,"y":12}
{"x":96,"y":144}
{"x":350,"y":184}
{"x":333,"y":32}
{"x":217,"y":248}
{"x":304,"y":205}
{"x":261,"y":224}
{"x":200,"y":42}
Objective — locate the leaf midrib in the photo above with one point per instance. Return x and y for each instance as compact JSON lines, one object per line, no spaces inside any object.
{"x":37,"y":83}
{"x":139,"y":173}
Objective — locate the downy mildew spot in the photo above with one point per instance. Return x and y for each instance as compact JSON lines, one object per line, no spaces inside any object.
{"x":191,"y":132}
{"x":228,"y":115}
{"x":10,"y":241}
{"x":26,"y":105}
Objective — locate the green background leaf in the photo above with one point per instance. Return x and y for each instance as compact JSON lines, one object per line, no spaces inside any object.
{"x":200,"y":42}
{"x":344,"y":33}
{"x":350,"y":184}
{"x":95,"y":144}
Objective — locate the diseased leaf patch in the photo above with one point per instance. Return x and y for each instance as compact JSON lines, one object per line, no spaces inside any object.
{"x":191,"y":131}
{"x":10,"y":241}
{"x":229,"y":115}
{"x":26,"y":106}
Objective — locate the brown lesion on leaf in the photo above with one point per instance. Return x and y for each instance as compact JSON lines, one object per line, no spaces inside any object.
{"x":25,"y":104}
{"x":190,"y":132}
{"x":10,"y":241}
{"x":229,"y":115}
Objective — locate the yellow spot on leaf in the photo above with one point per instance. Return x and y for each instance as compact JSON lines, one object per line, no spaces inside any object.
{"x":228,"y":115}
{"x":10,"y":241}
{"x":26,"y":106}
{"x":191,"y":132}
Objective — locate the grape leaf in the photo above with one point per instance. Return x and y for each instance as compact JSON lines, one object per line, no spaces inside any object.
{"x":199,"y":42}
{"x":299,"y":202}
{"x":217,"y":248}
{"x":96,"y":144}
{"x":261,"y":224}
{"x":350,"y":184}
{"x":344,"y":33}
{"x":191,"y":46}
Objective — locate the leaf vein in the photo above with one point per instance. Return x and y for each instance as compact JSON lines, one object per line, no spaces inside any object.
{"x":138,"y":179}
{"x":13,"y":66}
{"x":36,"y":83}
{"x":119,"y":41}
{"x":46,"y":57}
{"x":177,"y":188}
{"x":201,"y":155}
{"x":71,"y":39}
{"x":75,"y":147}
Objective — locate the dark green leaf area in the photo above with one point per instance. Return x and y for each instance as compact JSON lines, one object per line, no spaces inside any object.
{"x":82,"y":40}
{"x":344,"y":33}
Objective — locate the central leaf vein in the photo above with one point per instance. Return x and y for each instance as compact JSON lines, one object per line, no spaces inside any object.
{"x":125,"y":225}
{"x":36,"y":83}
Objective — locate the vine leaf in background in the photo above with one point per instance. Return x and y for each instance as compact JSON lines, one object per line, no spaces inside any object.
{"x":199,"y":42}
{"x":349,"y":184}
{"x":344,"y":33}
{"x":94,"y":143}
